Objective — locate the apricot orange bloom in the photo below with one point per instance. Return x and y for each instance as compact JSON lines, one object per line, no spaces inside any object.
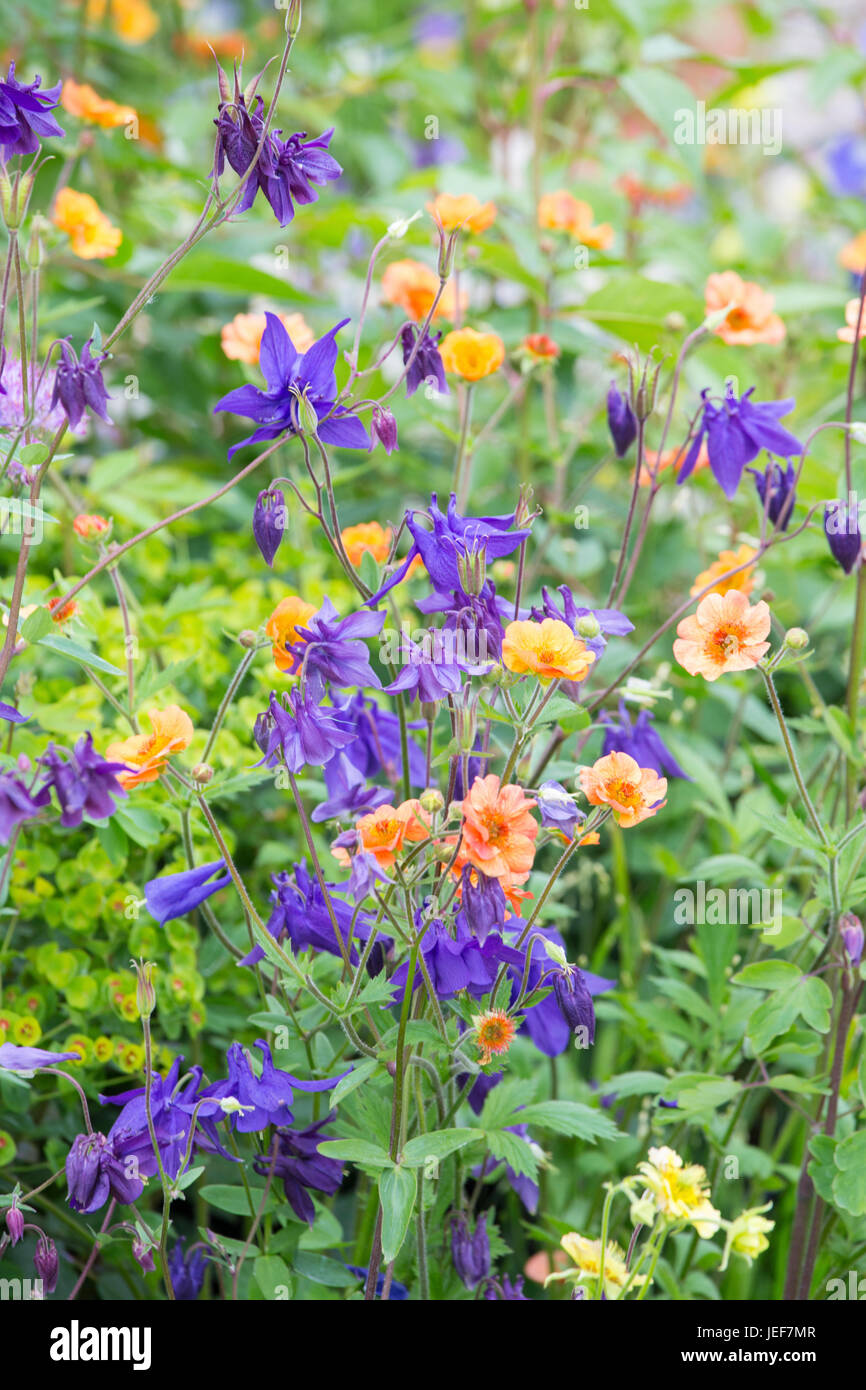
{"x":282,"y":628}
{"x":462,"y":210}
{"x":853,"y":255}
{"x":414,"y":286}
{"x":367,"y":535}
{"x":61,"y":612}
{"x":562,"y":212}
{"x":726,"y":633}
{"x":540,"y":346}
{"x":852,"y":313}
{"x":750,"y":318}
{"x":92,"y":236}
{"x":384,"y":831}
{"x":470,"y":354}
{"x":81,"y":100}
{"x":633,"y":793}
{"x":494,"y":1032}
{"x":655,"y":463}
{"x":132,"y":20}
{"x":172,"y":732}
{"x":728,"y":560}
{"x":241,"y":339}
{"x":548,"y":649}
{"x":498,"y":831}
{"x":89,"y":525}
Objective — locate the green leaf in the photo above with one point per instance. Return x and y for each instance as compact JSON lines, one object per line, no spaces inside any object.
{"x":38,"y":625}
{"x":272,"y":1276}
{"x":661,"y":97}
{"x":359,"y":1073}
{"x":707,"y":1095}
{"x":513,"y":1150}
{"x":768,"y":974}
{"x":356,"y":1151}
{"x":323,"y":1270}
{"x":636,"y":309}
{"x":822,"y":1170}
{"x":438,"y":1144}
{"x":397,"y":1190}
{"x":203,"y":270}
{"x":75,"y":652}
{"x":234,"y":1199}
{"x":569,"y":1117}
{"x":849,"y":1184}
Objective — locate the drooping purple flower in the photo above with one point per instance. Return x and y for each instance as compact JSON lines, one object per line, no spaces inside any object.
{"x":349,"y":793}
{"x":470,"y":1251}
{"x":777,"y":492}
{"x":476,"y":622}
{"x":483,"y":902}
{"x":558,"y":810}
{"x":458,"y":960}
{"x":375,"y":746}
{"x":842,"y":529}
{"x":267,"y":1098}
{"x":544,"y":1021}
{"x":640,"y":740}
{"x":269,"y":522}
{"x":299,"y":911}
{"x":83,"y":782}
{"x":25,"y":115}
{"x":305,"y":733}
{"x":293,"y":377}
{"x":78,"y":384}
{"x":851,"y":929}
{"x":610,"y":621}
{"x":429,"y":672}
{"x":174,"y":895}
{"x":172,"y":1108}
{"x":507,"y":1291}
{"x":95,"y":1172}
{"x":302,"y":1168}
{"x":383,"y":427}
{"x":620,"y":421}
{"x":449,"y":536}
{"x":575,"y":1001}
{"x":398,"y":1292}
{"x":187,"y":1274}
{"x":27,"y":1060}
{"x":14,"y":1222}
{"x":736,"y":430}
{"x":13,"y":715}
{"x":46,"y":1262}
{"x":17,"y":804}
{"x":334,"y":649}
{"x":426,"y":365}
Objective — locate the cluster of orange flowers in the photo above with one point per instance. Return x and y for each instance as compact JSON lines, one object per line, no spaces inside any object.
{"x":147,"y":754}
{"x":91,"y":235}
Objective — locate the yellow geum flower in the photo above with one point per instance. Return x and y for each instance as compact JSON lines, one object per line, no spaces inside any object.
{"x":586,"y":1254}
{"x":92,"y":236}
{"x":83,"y":101}
{"x":747,"y":1235}
{"x":680,"y":1191}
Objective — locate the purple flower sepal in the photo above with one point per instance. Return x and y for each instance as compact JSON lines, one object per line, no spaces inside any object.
{"x":300,"y":732}
{"x":267,"y":1098}
{"x":426,"y":366}
{"x":641,"y":741}
{"x":174,"y":895}
{"x":83,"y":782}
{"x":25,"y":115}
{"x":78,"y":384}
{"x":17,"y":804}
{"x":27,"y":1060}
{"x":736,"y":430}
{"x":302,"y":1168}
{"x":620,"y":421}
{"x":95,"y":1172}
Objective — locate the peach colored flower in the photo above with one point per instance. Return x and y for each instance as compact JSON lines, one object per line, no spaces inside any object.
{"x":562,"y":212}
{"x":852,"y":313}
{"x":367,"y":535}
{"x":853,"y":255}
{"x":494,"y":1033}
{"x":414,"y":286}
{"x":750,"y":318}
{"x":61,"y":612}
{"x":92,"y":236}
{"x":172,"y":732}
{"x":89,"y":525}
{"x":470,"y":354}
{"x":462,"y":210}
{"x":282,"y":628}
{"x":383,"y":832}
{"x":498,"y":831}
{"x":725,"y":634}
{"x":634,"y":793}
{"x":728,"y":560}
{"x":540,"y":346}
{"x":81,"y":100}
{"x":548,"y":649}
{"x":241,"y":339}
{"x":655,"y":463}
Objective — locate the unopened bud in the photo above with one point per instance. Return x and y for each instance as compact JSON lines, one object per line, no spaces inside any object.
{"x":46,"y":1262}
{"x":398,"y":229}
{"x":203,"y":773}
{"x":797,"y":638}
{"x":15,"y":1223}
{"x":145,"y":994}
{"x":675,"y":322}
{"x":432,"y":800}
{"x":588,"y":626}
{"x":247,"y":638}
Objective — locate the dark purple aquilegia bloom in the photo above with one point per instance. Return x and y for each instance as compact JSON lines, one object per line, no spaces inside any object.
{"x":78,"y":384}
{"x":776,"y":490}
{"x":301,"y":1167}
{"x":187,"y":1274}
{"x":640,"y":740}
{"x":470,"y":1252}
{"x":292,"y":376}
{"x":174,"y":895}
{"x":620,"y":421}
{"x":269,"y":522}
{"x":25,"y":115}
{"x":736,"y":430}
{"x":265,"y":1099}
{"x":95,"y":1172}
{"x":304,"y":734}
{"x":334,"y":649}
{"x":83,"y":782}
{"x":426,"y":365}
{"x":17,"y":804}
{"x":172,"y":1107}
{"x":842,"y":529}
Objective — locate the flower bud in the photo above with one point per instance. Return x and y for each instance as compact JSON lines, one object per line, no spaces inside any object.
{"x":797,"y":639}
{"x":269,"y":522}
{"x":383,"y":427}
{"x":15,"y":1222}
{"x":588,"y":626}
{"x":398,"y":229}
{"x":247,"y":638}
{"x":432,"y":800}
{"x":470,"y":1253}
{"x":851,"y":932}
{"x":575,"y":1001}
{"x":842,"y":529}
{"x":620,"y":421}
{"x":46,"y":1262}
{"x":203,"y":773}
{"x":145,"y":994}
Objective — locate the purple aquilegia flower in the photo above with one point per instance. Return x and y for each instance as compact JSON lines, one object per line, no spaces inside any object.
{"x":46,"y":1262}
{"x":620,"y":421}
{"x":458,"y":960}
{"x":375,"y":745}
{"x":334,"y":649}
{"x":842,"y":529}
{"x":846,"y":162}
{"x":544,"y":1021}
{"x":78,"y":384}
{"x":427,"y":365}
{"x":45,"y":415}
{"x":27,"y":1060}
{"x":776,"y":491}
{"x":266,"y":1099}
{"x":174,"y":895}
{"x":558,"y":809}
{"x":95,"y":1172}
{"x":301,"y":733}
{"x":172,"y":1107}
{"x":25,"y":115}
{"x":470,"y":1251}
{"x":13,"y":715}
{"x":83,"y":782}
{"x":483,"y":902}
{"x":449,"y":537}
{"x":851,"y":931}
{"x":610,"y":622}
{"x":269,"y":522}
{"x":398,"y":1292}
{"x":572,"y":995}
{"x":641,"y":741}
{"x":187,"y":1274}
{"x":349,"y":793}
{"x":736,"y":430}
{"x":383,"y":427}
{"x":291,"y":377}
{"x":505,"y":1290}
{"x":17,"y":804}
{"x":300,"y":912}
{"x":301,"y":1167}
{"x":431,"y":675}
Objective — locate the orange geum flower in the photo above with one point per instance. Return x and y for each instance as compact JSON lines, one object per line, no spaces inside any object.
{"x":81,"y":100}
{"x":92,"y":236}
{"x":462,"y":210}
{"x":282,"y":628}
{"x":562,"y":212}
{"x":726,"y":633}
{"x":414,"y":286}
{"x":853,"y":255}
{"x":633,"y":793}
{"x":383,"y":832}
{"x":750,"y":318}
{"x":541,"y":347}
{"x":494,"y":1032}
{"x":241,"y":338}
{"x":548,"y":649}
{"x":89,"y":525}
{"x":498,"y":831}
{"x":61,"y":612}
{"x":367,"y":535}
{"x":172,"y":733}
{"x":852,"y":314}
{"x":728,"y":560}
{"x":132,"y":20}
{"x":470,"y":354}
